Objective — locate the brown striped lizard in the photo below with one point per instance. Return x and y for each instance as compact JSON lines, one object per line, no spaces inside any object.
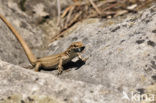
{"x":48,"y":62}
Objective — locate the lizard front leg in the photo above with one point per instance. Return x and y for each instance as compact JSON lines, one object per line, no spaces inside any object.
{"x":60,"y":68}
{"x":83,"y":59}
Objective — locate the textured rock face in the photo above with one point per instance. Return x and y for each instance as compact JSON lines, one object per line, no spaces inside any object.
{"x":120,"y":54}
{"x":121,"y":59}
{"x":18,"y":82}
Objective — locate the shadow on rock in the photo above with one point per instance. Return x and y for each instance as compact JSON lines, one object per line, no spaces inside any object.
{"x":67,"y":66}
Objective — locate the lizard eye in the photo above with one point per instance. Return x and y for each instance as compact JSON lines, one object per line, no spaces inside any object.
{"x":79,"y":49}
{"x":75,"y":45}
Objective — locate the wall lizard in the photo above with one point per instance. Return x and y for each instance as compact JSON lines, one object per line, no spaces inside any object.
{"x":48,"y":62}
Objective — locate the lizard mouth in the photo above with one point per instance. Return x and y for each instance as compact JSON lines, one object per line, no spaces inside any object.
{"x":82,"y":48}
{"x":79,"y":49}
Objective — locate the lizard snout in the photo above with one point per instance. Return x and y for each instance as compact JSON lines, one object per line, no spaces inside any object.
{"x":81,"y":49}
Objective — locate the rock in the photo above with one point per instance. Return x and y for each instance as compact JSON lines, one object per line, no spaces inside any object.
{"x":121,"y":62}
{"x":22,"y":84}
{"x":11,"y":48}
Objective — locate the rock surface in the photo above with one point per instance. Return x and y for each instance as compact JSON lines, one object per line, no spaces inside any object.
{"x":122,"y":58}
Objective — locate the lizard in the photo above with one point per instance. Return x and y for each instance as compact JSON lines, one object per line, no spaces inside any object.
{"x":52,"y":61}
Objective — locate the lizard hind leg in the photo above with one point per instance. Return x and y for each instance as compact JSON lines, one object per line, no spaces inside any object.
{"x":37,"y":66}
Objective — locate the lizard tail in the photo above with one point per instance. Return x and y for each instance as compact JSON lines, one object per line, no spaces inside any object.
{"x":30,"y":55}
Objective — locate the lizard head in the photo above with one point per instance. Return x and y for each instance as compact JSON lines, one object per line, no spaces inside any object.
{"x":76,"y":47}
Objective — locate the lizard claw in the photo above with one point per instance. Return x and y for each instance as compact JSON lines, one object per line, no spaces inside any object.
{"x":60,"y":70}
{"x":28,"y":67}
{"x":59,"y":73}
